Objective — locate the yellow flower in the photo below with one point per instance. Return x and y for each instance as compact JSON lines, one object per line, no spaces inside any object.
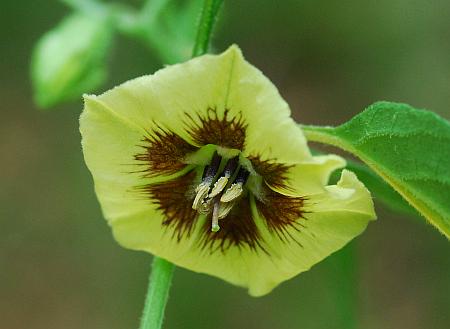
{"x":201,"y":164}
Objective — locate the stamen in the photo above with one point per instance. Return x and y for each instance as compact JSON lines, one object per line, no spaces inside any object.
{"x":230,"y":167}
{"x":215,"y":216}
{"x":224,"y":209}
{"x":209,"y":173}
{"x":202,"y":192}
{"x":227,"y":172}
{"x":205,"y":171}
{"x":205,"y":207}
{"x":242,"y":176}
{"x":233,"y":192}
{"x":218,"y":186}
{"x":221,"y":203}
{"x":236,"y":189}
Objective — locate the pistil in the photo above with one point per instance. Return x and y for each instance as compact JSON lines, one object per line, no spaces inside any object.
{"x":215,"y":216}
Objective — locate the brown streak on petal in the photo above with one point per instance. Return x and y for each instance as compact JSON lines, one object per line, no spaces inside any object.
{"x":175,"y":201}
{"x":274,"y":174}
{"x":164,"y":153}
{"x":227,"y":132}
{"x":238,"y":229}
{"x":282,"y":213}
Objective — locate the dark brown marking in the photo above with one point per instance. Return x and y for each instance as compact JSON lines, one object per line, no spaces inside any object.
{"x":282,"y":213}
{"x":238,"y":229}
{"x":227,"y":132}
{"x":164,"y":153}
{"x":175,"y":202}
{"x":275,"y":174}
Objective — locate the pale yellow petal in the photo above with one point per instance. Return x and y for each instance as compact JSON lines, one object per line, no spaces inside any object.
{"x":309,"y":177}
{"x":110,"y":143}
{"x":183,"y":93}
{"x":335,"y":217}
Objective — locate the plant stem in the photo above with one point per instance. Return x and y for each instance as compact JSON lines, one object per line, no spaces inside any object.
{"x":344,"y":286}
{"x":207,"y":20}
{"x":162,"y":270}
{"x":157,"y":294}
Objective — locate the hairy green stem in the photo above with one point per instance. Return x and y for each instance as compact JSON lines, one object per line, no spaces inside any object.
{"x":157,"y":294}
{"x":162,"y":270}
{"x":206,"y":24}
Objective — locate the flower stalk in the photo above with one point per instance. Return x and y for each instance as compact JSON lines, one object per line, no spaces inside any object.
{"x":208,"y":17}
{"x":162,"y":270}
{"x":157,"y":294}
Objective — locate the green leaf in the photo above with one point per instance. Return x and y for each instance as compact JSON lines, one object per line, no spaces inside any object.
{"x":69,"y":60}
{"x":407,"y":147}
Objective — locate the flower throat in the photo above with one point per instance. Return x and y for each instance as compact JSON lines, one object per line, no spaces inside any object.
{"x":219,"y":191}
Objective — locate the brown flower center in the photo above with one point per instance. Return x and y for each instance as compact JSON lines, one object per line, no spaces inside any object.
{"x":224,"y":192}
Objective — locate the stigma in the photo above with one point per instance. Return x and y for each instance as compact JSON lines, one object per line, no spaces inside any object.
{"x":221,"y":187}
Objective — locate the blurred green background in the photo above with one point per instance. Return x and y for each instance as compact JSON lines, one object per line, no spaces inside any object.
{"x":61,"y":268}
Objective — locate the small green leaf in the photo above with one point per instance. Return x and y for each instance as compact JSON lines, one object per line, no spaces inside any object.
{"x":70,"y":59}
{"x":408,"y":148}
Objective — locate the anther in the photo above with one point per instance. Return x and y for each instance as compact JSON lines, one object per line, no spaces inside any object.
{"x":218,"y":186}
{"x":205,"y":207}
{"x":224,"y":209}
{"x":227,"y":172}
{"x":202,"y":192}
{"x":209,"y":173}
{"x":236,"y":189}
{"x":233,"y":192}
